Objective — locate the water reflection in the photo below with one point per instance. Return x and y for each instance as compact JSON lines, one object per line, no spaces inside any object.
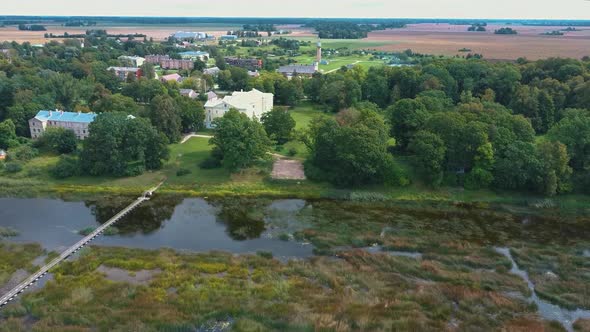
{"x":165,"y":221}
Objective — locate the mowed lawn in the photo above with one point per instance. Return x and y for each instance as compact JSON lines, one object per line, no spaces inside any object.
{"x":188,"y":156}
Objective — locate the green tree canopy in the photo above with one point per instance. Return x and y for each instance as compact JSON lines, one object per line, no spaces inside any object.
{"x":121,"y":146}
{"x":240,"y":140}
{"x":278,"y":124}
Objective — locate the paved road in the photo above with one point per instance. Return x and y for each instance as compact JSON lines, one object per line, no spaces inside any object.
{"x":79,"y":245}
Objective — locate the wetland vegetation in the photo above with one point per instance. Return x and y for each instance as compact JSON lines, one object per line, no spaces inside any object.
{"x":378,"y":266}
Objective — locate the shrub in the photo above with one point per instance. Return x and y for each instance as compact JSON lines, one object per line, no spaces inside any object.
{"x":210,"y":163}
{"x":13,"y":167}
{"x":292,"y":152}
{"x":183,"y":172}
{"x":22,"y":153}
{"x":66,"y":167}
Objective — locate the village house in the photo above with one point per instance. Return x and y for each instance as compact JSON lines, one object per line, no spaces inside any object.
{"x":211,"y":95}
{"x":252,"y":103}
{"x":298,"y":70}
{"x":171,"y":77}
{"x":213,"y":71}
{"x":123,"y":72}
{"x":2,"y":154}
{"x":247,"y":63}
{"x":189,"y":93}
{"x":75,"y":121}
{"x":132,"y":61}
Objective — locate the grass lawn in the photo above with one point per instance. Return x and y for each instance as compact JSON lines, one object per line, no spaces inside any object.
{"x":188,"y":156}
{"x":304,"y":113}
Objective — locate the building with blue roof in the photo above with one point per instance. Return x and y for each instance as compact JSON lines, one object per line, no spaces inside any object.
{"x":75,"y":121}
{"x":194,"y":55}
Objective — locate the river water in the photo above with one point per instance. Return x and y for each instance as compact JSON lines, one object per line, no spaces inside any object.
{"x":185,"y":224}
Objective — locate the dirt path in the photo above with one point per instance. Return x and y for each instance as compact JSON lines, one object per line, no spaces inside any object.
{"x":189,"y":136}
{"x":288,"y":169}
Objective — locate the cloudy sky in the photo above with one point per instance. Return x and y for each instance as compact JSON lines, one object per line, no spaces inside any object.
{"x":550,"y":9}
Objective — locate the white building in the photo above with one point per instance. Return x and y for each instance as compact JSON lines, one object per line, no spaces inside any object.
{"x":77,"y":122}
{"x":133,"y":61}
{"x":182,"y":35}
{"x":252,"y":103}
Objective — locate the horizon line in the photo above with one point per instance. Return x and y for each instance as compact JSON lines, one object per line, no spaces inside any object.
{"x":297,"y":17}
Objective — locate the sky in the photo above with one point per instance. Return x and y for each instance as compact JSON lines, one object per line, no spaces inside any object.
{"x":518,"y":9}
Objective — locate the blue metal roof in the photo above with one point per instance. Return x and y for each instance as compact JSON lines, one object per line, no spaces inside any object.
{"x":193,"y":53}
{"x":65,"y":116}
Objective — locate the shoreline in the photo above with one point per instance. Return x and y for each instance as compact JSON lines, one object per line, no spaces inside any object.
{"x":570,"y":204}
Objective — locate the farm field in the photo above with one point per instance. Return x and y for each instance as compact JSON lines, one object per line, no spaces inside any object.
{"x":157,"y":32}
{"x":445,"y":39}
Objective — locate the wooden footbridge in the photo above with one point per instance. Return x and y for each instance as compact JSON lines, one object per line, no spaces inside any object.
{"x":11,"y":295}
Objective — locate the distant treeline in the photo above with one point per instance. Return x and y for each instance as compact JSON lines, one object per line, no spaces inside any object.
{"x":31,"y":27}
{"x":95,"y":34}
{"x":349,"y":30}
{"x":506,"y":31}
{"x":79,"y":23}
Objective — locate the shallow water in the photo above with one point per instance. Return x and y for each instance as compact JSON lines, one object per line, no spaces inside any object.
{"x":545,"y":309}
{"x":189,"y":224}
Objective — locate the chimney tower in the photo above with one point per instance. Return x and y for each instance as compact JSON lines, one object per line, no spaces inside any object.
{"x":319,"y":52}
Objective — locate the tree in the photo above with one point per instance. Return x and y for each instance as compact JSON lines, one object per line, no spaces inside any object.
{"x":60,"y":140}
{"x":240,"y":140}
{"x":350,"y":152}
{"x":406,"y":117}
{"x":481,"y":175}
{"x":166,"y":117}
{"x":122,"y":146}
{"x":574,"y":131}
{"x":148,"y":71}
{"x":220,"y":62}
{"x":278,"y":124}
{"x":192,"y":114}
{"x":116,"y":103}
{"x":7,"y":134}
{"x":429,"y":156}
{"x":555,"y":171}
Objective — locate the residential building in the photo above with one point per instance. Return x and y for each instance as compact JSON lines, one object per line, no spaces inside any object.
{"x":132,"y":61}
{"x":211,"y":95}
{"x":213,"y":71}
{"x":252,"y":103}
{"x":228,"y":38}
{"x":2,"y":154}
{"x":194,"y":55}
{"x":247,"y":63}
{"x":77,"y":122}
{"x":183,"y":35}
{"x":300,"y":70}
{"x":165,"y":62}
{"x":171,"y":77}
{"x":123,"y":72}
{"x":189,"y":93}
{"x":253,"y":73}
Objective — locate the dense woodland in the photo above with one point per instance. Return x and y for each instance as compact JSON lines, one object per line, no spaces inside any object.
{"x":521,"y":126}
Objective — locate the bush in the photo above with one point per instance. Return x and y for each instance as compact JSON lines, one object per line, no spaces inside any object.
{"x":13,"y":167}
{"x":292,"y":152}
{"x":60,"y":140}
{"x":183,"y":172}
{"x":210,"y":163}
{"x":66,"y":167}
{"x":22,"y":153}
